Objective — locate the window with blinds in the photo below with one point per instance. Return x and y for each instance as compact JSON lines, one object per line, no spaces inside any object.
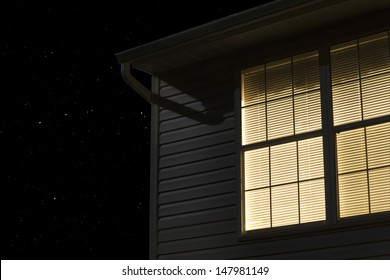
{"x":361,"y":92}
{"x":361,"y":79}
{"x":281,"y":99}
{"x":282,"y":163}
{"x":282,"y":138}
{"x":363,"y":157}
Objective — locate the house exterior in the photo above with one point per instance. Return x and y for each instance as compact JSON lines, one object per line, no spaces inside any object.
{"x":271,"y":133}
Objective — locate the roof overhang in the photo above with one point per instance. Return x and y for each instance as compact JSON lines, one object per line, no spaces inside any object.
{"x":254,"y":27}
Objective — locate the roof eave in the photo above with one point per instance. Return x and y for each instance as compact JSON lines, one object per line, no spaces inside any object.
{"x":188,"y":47}
{"x":219,"y":28}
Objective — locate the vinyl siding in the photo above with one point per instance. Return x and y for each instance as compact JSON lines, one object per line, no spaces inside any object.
{"x":357,"y":244}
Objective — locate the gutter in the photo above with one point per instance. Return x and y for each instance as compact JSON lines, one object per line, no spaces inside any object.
{"x":134,"y":83}
{"x":148,"y":96}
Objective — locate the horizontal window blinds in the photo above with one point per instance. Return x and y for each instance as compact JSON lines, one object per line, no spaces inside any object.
{"x":361,"y":79}
{"x":363,"y":157}
{"x":282,"y":164}
{"x":361,"y":91}
{"x":283,"y":184}
{"x":280,"y":99}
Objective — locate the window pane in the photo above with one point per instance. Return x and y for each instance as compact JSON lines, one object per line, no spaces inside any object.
{"x":253,"y":86}
{"x":351,"y":151}
{"x":306,"y":74}
{"x":253,"y":124}
{"x":285,"y":205}
{"x":374,"y":54}
{"x":256,"y":168}
{"x":312,"y":200}
{"x":279,"y":79}
{"x":344,"y":64}
{"x":378,"y":145}
{"x":257,"y":209}
{"x":311,"y":164}
{"x":380,"y":189}
{"x":346,"y":103}
{"x":284,"y":163}
{"x":307,"y":108}
{"x":280,"y":118}
{"x":353,"y":194}
{"x":376,"y":96}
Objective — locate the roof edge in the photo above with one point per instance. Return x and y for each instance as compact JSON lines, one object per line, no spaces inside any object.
{"x":221,"y":27}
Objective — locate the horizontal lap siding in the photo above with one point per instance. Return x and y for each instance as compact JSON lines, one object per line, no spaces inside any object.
{"x":196,"y":167}
{"x":198,"y":154}
{"x":200,"y":243}
{"x":207,"y":190}
{"x":194,"y":131}
{"x":196,"y":231}
{"x":205,"y":178}
{"x":197,"y":106}
{"x":197,"y":217}
{"x":217,"y":115}
{"x":195,"y":205}
{"x":199,"y":142}
{"x":352,"y":244}
{"x":197,"y":195}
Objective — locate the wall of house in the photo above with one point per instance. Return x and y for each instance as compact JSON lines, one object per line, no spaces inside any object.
{"x":194,"y":181}
{"x":196,"y":172}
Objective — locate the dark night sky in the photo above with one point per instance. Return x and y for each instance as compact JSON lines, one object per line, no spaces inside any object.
{"x":76,"y":138}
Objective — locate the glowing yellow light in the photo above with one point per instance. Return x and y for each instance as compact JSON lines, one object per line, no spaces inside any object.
{"x":283,"y":184}
{"x":272,"y":188}
{"x":363,"y":157}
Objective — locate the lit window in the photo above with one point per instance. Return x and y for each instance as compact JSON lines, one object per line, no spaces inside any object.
{"x":361,"y":94}
{"x":282,"y":174}
{"x":282,"y":157}
{"x":363,"y":157}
